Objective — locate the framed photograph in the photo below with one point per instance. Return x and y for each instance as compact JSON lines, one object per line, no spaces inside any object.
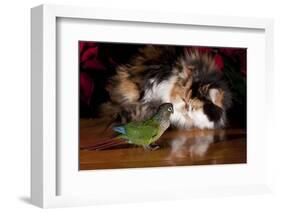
{"x":129,"y":106}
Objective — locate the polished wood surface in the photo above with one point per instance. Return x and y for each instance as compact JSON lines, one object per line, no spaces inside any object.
{"x":176,"y":148}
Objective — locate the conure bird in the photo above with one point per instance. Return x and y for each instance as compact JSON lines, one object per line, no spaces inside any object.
{"x":142,"y":133}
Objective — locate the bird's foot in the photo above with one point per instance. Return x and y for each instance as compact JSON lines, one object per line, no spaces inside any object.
{"x":151,"y":148}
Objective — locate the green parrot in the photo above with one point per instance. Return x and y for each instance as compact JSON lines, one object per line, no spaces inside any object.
{"x":147,"y":132}
{"x":142,"y":133}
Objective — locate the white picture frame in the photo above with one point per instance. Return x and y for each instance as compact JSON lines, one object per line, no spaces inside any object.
{"x":44,"y":151}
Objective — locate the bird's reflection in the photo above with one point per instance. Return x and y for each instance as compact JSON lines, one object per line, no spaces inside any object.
{"x":184,"y":146}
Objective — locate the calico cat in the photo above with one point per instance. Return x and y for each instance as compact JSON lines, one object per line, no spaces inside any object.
{"x":185,"y":77}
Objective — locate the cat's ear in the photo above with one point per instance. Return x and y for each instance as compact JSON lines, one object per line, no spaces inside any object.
{"x":217,"y":96}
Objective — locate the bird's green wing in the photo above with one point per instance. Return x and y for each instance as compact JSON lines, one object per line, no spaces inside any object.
{"x":142,"y":133}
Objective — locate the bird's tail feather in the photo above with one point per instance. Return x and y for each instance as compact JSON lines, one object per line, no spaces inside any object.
{"x":105,"y":144}
{"x":120,"y":129}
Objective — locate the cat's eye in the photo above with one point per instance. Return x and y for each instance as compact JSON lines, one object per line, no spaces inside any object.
{"x":170,"y":109}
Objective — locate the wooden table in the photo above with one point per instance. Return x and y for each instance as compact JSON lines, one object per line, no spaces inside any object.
{"x":177,"y":148}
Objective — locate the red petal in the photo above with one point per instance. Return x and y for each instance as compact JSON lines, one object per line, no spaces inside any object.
{"x":86,"y":87}
{"x":89,"y":53}
{"x":219,"y":62}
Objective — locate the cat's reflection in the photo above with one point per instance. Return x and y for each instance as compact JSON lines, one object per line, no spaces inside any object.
{"x":191,"y":147}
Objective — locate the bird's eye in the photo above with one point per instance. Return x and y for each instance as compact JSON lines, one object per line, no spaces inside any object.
{"x":170,"y":109}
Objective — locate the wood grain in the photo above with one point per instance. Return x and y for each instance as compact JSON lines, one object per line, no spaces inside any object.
{"x":176,"y":148}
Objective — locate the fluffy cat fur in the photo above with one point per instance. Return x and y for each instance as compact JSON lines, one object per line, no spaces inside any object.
{"x":187,"y":78}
